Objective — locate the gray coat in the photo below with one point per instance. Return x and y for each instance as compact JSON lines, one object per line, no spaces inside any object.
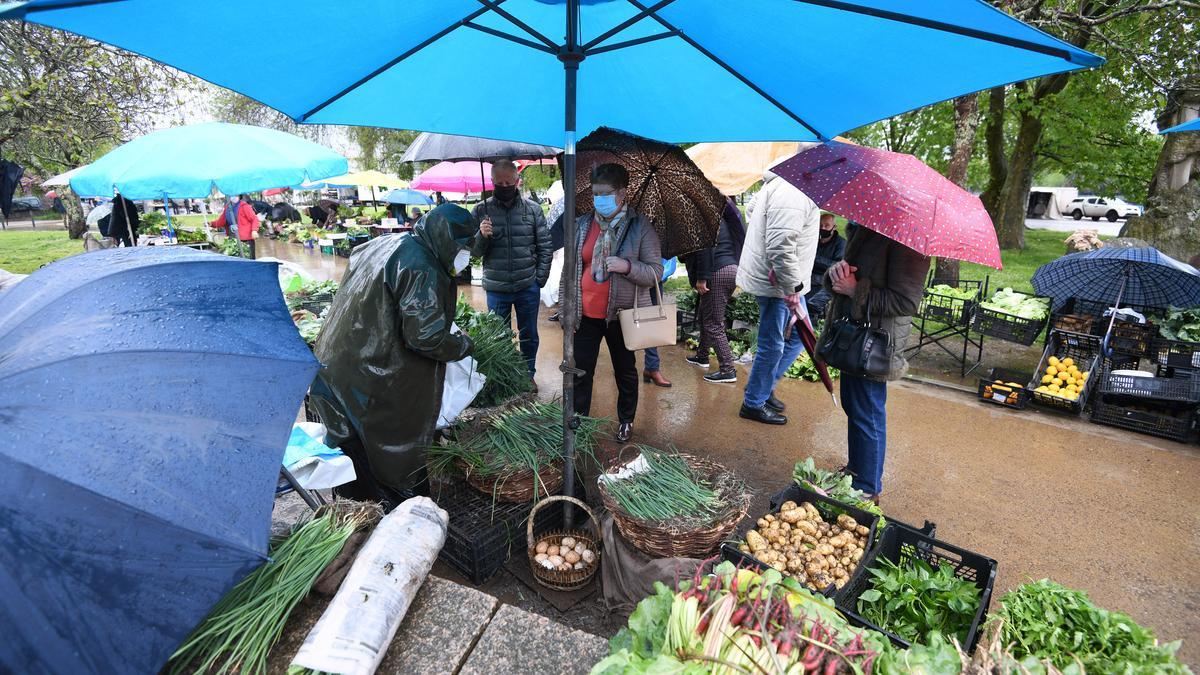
{"x":891,"y":280}
{"x":641,"y":248}
{"x":518,"y":253}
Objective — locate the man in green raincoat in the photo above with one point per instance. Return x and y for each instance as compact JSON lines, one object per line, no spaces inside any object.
{"x":385,"y":346}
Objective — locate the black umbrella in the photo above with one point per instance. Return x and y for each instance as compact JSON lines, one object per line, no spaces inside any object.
{"x":430,"y":147}
{"x":665,"y":185}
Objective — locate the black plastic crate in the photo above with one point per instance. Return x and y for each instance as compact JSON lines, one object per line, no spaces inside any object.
{"x":1175,"y":423}
{"x":829,"y":509}
{"x":1136,"y":339}
{"x":1175,"y":353}
{"x":1181,"y":386}
{"x":1083,"y":349}
{"x":1005,"y":326}
{"x":901,"y":545}
{"x":948,"y":309}
{"x":928,"y":529}
{"x":1016,"y":398}
{"x":482,"y":533}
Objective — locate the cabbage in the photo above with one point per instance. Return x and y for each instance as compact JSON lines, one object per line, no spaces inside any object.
{"x":1008,"y":301}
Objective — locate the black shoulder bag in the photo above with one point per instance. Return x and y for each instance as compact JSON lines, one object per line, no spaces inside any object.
{"x":856,"y":348}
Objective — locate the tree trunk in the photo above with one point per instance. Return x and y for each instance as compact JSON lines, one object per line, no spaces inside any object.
{"x":966,"y":121}
{"x":1010,"y":216}
{"x":994,"y":142}
{"x":76,"y":224}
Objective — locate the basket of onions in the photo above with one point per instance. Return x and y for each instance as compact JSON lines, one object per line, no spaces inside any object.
{"x":564,"y":560}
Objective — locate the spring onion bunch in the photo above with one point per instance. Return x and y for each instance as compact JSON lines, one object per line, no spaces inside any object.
{"x":668,"y":488}
{"x":496,"y":354}
{"x":237,"y":635}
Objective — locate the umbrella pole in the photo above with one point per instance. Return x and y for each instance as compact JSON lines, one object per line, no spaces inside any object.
{"x":570,"y":57}
{"x":125,"y":212}
{"x":167,"y":210}
{"x":1113,"y":318}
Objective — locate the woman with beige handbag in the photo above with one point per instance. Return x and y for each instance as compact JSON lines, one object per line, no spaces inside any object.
{"x":617,"y":257}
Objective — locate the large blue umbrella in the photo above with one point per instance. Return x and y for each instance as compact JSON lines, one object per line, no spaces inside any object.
{"x":1139,"y":276}
{"x":1194,"y":125}
{"x":146,"y":399}
{"x":407,"y":196}
{"x":673,"y":70}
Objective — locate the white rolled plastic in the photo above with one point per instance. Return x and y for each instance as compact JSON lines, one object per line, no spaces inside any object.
{"x":353,"y":634}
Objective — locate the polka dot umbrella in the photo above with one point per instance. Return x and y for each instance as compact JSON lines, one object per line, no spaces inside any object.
{"x":898,"y":196}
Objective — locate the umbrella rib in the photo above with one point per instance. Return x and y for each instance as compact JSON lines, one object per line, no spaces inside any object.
{"x":413,"y":50}
{"x":728,"y":68}
{"x":23,"y":11}
{"x":587,"y":48}
{"x":511,"y":38}
{"x":948,"y":28}
{"x":495,"y":7}
{"x":633,"y":43}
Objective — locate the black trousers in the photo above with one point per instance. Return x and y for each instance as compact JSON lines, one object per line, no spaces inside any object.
{"x":588,"y":336}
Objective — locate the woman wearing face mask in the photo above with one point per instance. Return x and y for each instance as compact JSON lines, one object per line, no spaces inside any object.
{"x":618,"y":261}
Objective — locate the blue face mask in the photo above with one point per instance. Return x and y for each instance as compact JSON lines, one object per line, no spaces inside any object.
{"x":606,"y":205}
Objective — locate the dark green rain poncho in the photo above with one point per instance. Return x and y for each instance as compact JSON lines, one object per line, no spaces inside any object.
{"x":385,"y":346}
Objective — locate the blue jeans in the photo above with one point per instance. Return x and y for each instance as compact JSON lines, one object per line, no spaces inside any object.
{"x":526,"y":303}
{"x":653,"y":363}
{"x":774,"y":354}
{"x":865,"y":404}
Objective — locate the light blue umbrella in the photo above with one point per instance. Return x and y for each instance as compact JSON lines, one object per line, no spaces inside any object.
{"x":673,"y":70}
{"x":1194,"y":125}
{"x":407,"y":196}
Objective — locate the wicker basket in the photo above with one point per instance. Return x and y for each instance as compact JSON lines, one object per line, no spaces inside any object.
{"x":563,"y":580}
{"x":517,"y":488}
{"x":664,"y":541}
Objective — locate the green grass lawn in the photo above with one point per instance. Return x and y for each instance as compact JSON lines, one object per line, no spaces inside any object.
{"x":23,"y":251}
{"x":1041,"y":246}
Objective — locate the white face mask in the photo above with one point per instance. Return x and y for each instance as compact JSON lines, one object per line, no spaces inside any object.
{"x":461,"y":261}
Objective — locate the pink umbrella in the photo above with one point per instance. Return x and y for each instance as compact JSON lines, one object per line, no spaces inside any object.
{"x":455,"y":177}
{"x":899,"y":197}
{"x":274,"y":191}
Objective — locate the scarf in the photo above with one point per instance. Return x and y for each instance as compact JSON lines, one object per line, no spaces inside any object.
{"x":611,"y":231}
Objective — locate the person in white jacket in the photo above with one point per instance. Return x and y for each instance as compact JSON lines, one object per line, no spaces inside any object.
{"x":776,"y":267}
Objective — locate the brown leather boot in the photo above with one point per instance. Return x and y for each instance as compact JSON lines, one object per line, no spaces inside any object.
{"x":656,"y":378}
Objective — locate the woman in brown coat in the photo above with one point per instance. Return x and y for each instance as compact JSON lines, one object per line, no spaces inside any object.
{"x":887,"y":279}
{"x":617,"y":258}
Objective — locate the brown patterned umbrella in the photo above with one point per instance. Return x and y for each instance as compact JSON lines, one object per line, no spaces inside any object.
{"x":665,"y":185}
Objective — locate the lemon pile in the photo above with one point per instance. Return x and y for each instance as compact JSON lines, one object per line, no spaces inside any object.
{"x":1063,"y":379}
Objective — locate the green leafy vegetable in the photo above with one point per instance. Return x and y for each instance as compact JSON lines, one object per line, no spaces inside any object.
{"x":743,"y":307}
{"x":1181,"y":324}
{"x":953,"y":292}
{"x":803,"y":368}
{"x":1048,"y":621}
{"x":835,"y":485}
{"x":1008,"y":301}
{"x":913,"y":599}
{"x":669,"y":488}
{"x":496,"y":354}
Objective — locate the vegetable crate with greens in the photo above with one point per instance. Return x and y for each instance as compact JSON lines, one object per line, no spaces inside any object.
{"x":1004,"y":387}
{"x":814,"y":539}
{"x":1015,"y":317}
{"x":496,"y":354}
{"x":952,"y":305}
{"x":483,"y":533}
{"x":833,"y":484}
{"x":911,"y":584}
{"x":1044,"y":620}
{"x":739,"y":621}
{"x":1064,"y":351}
{"x":672,"y":505}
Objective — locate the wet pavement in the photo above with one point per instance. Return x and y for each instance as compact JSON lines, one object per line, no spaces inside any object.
{"x":1046,"y":495}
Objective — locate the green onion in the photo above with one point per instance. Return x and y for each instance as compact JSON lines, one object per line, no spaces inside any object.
{"x":495,"y":354}
{"x":669,"y":488}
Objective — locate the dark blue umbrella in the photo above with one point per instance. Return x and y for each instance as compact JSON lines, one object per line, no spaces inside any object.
{"x":1140,"y":276}
{"x":146,"y":398}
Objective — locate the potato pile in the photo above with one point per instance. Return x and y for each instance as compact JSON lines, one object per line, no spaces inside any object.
{"x":799,"y":542}
{"x":564,"y":555}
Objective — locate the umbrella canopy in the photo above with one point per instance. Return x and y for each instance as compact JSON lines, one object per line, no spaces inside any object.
{"x":665,"y":185}
{"x":274,"y":191}
{"x":64,"y":179}
{"x":449,"y":148}
{"x":190,"y":161}
{"x":455,"y":177}
{"x":407,"y":196}
{"x":1138,"y":276}
{"x":898,"y":196}
{"x":94,"y":216}
{"x":370,"y":178}
{"x":737,"y":71}
{"x":734,"y":167}
{"x":1194,"y":125}
{"x":140,"y":456}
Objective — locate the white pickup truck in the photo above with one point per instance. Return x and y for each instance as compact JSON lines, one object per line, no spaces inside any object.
{"x":1100,"y":207}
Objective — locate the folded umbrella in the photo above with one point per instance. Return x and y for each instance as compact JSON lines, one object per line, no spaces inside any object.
{"x":665,"y":185}
{"x":147,"y":396}
{"x":808,"y":337}
{"x":898,"y":196}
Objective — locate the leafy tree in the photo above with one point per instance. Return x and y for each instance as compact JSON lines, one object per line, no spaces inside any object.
{"x":382,"y":149}
{"x":65,"y":100}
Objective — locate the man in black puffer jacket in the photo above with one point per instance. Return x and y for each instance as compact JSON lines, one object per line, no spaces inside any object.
{"x":515,"y":246}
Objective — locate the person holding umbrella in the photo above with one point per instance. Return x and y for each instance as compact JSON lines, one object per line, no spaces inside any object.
{"x":618,"y":261}
{"x":515,"y":246}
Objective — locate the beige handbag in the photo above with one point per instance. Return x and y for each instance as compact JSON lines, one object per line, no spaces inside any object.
{"x":652,"y":326}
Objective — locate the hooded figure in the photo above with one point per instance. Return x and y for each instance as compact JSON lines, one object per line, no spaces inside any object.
{"x":385,"y":346}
